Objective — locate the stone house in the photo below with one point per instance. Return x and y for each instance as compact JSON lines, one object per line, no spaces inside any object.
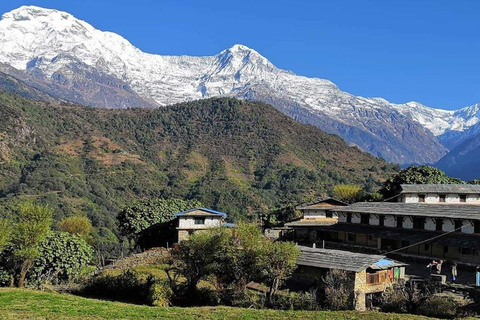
{"x":365,"y":273}
{"x":197,"y":219}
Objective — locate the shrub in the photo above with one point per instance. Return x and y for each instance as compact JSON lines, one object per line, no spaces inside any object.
{"x":338,"y":290}
{"x":393,"y":300}
{"x":130,"y":286}
{"x":80,"y":226}
{"x":62,"y":257}
{"x":439,"y":307}
{"x":159,"y":294}
{"x":295,"y":301}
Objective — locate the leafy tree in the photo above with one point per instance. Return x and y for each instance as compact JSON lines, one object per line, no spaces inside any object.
{"x":235,"y":257}
{"x":62,"y":256}
{"x":32,"y":228}
{"x":80,"y":226}
{"x":195,"y":258}
{"x":348,"y":193}
{"x":277,"y":263}
{"x":415,"y":175}
{"x":142,"y":214}
{"x":5,"y":232}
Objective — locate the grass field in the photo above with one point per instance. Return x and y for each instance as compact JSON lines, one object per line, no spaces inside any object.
{"x":29,"y":304}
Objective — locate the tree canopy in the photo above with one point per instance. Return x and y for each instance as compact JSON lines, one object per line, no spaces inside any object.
{"x":144,"y":213}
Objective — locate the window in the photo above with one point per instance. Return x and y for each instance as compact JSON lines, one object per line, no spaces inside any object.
{"x":438,"y":224}
{"x":426,"y":247}
{"x":445,"y":249}
{"x":381,"y":221}
{"x":329,"y":214}
{"x":442,"y":198}
{"x":199,"y":220}
{"x":463,"y":198}
{"x":458,"y":225}
{"x":421,"y":198}
{"x":399,"y":222}
{"x":349,"y":217}
{"x":419,"y":223}
{"x":365,"y":218}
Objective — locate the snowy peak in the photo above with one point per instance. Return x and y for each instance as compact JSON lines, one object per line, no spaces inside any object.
{"x":64,"y":52}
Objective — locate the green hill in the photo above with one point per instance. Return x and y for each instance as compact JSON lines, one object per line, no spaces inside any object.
{"x":236,"y":156}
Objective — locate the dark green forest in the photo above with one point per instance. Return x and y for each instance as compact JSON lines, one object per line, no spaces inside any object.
{"x":240,"y":157}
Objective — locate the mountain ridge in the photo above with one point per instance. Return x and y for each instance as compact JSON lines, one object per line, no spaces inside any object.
{"x":33,"y":38}
{"x":238,"y":156}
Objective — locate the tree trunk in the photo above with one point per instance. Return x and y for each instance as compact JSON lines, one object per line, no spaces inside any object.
{"x":23,"y":272}
{"x":12,"y":281}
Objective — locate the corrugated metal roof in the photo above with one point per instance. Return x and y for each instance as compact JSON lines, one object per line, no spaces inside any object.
{"x":451,"y":211}
{"x":441,"y":188}
{"x":205,"y":211}
{"x":342,"y":260}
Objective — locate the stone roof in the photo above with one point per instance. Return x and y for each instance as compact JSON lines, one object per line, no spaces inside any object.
{"x":312,"y":222}
{"x":441,"y":188}
{"x":452,"y":211}
{"x":321,"y":204}
{"x":343,"y":260}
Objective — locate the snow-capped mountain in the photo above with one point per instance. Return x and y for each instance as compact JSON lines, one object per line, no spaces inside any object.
{"x":68,"y":58}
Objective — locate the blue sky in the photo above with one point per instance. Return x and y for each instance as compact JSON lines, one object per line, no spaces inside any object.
{"x":423,"y":50}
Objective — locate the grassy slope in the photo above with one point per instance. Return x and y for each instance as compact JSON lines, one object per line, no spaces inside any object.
{"x":22,"y":304}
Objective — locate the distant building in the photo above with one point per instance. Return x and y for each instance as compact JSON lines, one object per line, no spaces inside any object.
{"x":366,"y":273}
{"x":197,"y":219}
{"x":431,"y":221}
{"x":440,"y":193}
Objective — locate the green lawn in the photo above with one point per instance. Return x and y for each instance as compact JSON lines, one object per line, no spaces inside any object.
{"x":29,"y":304}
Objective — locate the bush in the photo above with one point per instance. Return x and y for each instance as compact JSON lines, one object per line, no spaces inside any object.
{"x":295,"y":301}
{"x":338,"y":290}
{"x":439,"y":307}
{"x":393,"y":300}
{"x":130,"y":286}
{"x":159,"y":294}
{"x":62,"y":257}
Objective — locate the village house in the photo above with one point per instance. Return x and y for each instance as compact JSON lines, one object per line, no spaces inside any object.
{"x":434,"y":221}
{"x":197,"y":219}
{"x":365,"y":273}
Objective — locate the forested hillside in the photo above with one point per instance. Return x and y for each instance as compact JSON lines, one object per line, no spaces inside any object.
{"x":236,"y":156}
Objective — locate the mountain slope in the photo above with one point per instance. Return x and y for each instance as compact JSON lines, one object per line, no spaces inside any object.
{"x":463,"y":161}
{"x":66,"y":57}
{"x":236,"y":156}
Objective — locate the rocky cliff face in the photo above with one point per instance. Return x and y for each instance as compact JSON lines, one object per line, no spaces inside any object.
{"x":68,"y":58}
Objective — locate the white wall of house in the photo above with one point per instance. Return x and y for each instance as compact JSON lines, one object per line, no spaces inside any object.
{"x":390,"y":221}
{"x":374,"y":220}
{"x":356,"y":218}
{"x":314,"y":214}
{"x":448,"y":225}
{"x":408,"y":222}
{"x":430,"y":224}
{"x":342,"y":217}
{"x":468,"y":227}
{"x":189,"y":222}
{"x":435,"y":198}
